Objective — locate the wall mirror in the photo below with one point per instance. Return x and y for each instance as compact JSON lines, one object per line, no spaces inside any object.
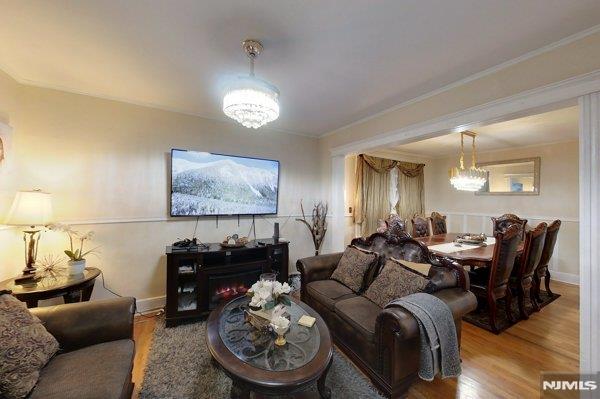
{"x":512,"y":177}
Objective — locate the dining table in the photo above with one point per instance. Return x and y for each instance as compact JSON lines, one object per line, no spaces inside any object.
{"x":465,"y":254}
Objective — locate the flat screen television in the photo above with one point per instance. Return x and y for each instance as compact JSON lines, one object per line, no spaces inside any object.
{"x":204,"y":184}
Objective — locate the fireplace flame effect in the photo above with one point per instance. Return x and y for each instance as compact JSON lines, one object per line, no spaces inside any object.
{"x":230,"y":292}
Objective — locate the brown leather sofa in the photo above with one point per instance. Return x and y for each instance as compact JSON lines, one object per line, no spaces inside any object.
{"x":96,"y":350}
{"x":383,"y":343}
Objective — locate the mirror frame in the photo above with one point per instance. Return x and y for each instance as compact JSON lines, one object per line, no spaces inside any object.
{"x":536,"y":176}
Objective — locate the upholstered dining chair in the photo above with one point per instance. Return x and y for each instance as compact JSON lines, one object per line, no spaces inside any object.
{"x":508,"y":219}
{"x":491,"y":284}
{"x":523,"y":276}
{"x":420,"y":226}
{"x":438,"y":223}
{"x":542,"y":269}
{"x":396,"y":225}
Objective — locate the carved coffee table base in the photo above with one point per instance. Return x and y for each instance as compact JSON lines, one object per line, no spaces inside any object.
{"x":241,"y":390}
{"x":247,"y":377}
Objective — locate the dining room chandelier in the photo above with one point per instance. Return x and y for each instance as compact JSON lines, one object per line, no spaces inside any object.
{"x":251,"y":101}
{"x":471,"y":179}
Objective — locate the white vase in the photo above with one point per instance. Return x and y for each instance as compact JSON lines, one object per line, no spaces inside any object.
{"x":76,"y":267}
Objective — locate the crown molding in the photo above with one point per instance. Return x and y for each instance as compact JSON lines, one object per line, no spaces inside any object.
{"x":478,"y":75}
{"x":529,"y":99}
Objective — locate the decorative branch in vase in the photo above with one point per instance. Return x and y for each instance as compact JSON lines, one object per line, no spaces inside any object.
{"x":318,"y":224}
{"x":76,"y":251}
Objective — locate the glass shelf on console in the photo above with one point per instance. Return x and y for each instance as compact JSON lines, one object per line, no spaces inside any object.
{"x":187,"y":286}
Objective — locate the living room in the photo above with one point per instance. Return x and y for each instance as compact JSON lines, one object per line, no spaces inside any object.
{"x":94,"y":98}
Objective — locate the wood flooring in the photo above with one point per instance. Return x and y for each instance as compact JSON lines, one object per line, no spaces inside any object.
{"x":494,"y":366}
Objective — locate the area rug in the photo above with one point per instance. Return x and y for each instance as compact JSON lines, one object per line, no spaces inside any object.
{"x":179,"y":366}
{"x":480,"y":316}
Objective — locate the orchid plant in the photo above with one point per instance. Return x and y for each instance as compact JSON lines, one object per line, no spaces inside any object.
{"x":268,"y":294}
{"x":76,"y":241}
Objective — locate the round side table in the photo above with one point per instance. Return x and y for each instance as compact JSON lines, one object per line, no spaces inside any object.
{"x":75,"y":288}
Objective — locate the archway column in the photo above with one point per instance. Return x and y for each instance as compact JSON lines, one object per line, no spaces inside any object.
{"x":589,"y":231}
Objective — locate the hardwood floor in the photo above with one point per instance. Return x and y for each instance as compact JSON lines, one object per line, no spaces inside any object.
{"x":494,"y":366}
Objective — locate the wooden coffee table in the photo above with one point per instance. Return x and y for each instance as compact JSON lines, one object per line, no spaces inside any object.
{"x":255,"y":364}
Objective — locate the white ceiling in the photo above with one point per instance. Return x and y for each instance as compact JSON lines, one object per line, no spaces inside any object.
{"x":550,"y":127}
{"x":334,"y":62}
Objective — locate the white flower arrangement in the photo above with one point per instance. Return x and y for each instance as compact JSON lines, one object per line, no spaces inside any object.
{"x":278,"y":320}
{"x":74,"y":253}
{"x":268,"y":294}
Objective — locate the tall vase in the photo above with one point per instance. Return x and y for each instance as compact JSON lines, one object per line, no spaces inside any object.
{"x":76,"y":267}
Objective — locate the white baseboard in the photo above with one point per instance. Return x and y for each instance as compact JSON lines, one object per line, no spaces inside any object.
{"x":568,"y":278}
{"x":148,"y":304}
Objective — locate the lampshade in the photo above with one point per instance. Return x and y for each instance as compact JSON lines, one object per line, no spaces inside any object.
{"x":30,"y":208}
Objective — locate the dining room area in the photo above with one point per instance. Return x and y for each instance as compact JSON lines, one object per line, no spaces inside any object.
{"x":501,"y":201}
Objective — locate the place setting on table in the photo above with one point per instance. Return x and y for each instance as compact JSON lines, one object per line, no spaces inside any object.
{"x":468,"y":249}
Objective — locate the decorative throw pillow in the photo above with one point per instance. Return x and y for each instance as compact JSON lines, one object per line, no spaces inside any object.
{"x":26,"y":348}
{"x":395,"y":281}
{"x":353,"y":266}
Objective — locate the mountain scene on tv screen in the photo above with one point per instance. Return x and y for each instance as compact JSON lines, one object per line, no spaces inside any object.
{"x":223,"y":187}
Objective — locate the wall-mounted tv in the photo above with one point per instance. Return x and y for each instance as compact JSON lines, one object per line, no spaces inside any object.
{"x":204,"y":184}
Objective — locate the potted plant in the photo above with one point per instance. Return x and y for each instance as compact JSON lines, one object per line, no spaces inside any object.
{"x":76,"y":253}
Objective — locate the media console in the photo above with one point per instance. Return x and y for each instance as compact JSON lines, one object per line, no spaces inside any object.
{"x":199,"y":279}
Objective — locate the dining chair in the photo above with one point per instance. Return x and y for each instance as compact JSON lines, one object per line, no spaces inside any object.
{"x":438,"y":223}
{"x":396,"y":225}
{"x":542,"y":269}
{"x":507,"y":220}
{"x":491,"y":284}
{"x":420,"y":226}
{"x":526,"y":266}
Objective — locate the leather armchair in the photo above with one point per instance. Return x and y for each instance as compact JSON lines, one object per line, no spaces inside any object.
{"x":84,"y":324}
{"x":96,"y":350}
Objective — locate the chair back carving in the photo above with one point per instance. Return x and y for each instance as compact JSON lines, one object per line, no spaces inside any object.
{"x":551,"y":235}
{"x":532,"y":251}
{"x":508,"y":219}
{"x":396,"y":225}
{"x":503,"y":261}
{"x":420,"y":226}
{"x":438,"y":223}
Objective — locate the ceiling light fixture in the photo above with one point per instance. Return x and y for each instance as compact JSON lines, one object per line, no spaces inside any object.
{"x":471,"y":179}
{"x":249,"y":100}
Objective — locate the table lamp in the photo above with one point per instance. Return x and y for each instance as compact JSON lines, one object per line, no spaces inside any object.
{"x":32,"y":209}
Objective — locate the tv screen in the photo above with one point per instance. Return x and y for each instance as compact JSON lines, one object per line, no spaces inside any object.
{"x":205,"y":184}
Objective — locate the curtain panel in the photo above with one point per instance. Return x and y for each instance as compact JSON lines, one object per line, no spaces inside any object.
{"x":384,"y":185}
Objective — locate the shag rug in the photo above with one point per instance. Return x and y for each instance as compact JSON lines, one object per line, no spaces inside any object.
{"x":480,"y":316}
{"x":180,"y":366}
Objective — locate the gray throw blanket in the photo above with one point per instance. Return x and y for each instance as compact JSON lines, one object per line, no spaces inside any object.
{"x":439,"y":344}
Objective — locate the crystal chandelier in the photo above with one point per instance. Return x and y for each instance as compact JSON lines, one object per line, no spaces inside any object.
{"x":249,"y":100}
{"x":471,"y":179}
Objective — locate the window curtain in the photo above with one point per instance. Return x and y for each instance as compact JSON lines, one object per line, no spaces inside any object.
{"x":372,"y":198}
{"x":385,"y":186}
{"x":411,"y":189}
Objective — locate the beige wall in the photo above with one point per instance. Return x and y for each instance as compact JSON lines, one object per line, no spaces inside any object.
{"x":559,"y":184}
{"x":106,"y":161}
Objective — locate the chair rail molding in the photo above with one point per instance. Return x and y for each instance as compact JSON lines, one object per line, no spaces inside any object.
{"x":589,"y":231}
